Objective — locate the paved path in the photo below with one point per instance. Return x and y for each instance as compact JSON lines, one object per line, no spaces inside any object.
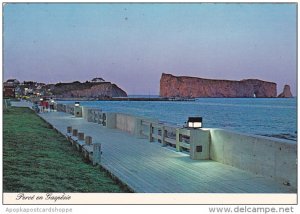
{"x":151,"y":168}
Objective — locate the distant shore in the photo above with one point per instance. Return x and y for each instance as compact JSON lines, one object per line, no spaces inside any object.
{"x":127,"y":99}
{"x":177,"y":99}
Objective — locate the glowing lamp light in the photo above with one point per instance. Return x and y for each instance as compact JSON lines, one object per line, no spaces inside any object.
{"x":41,"y":99}
{"x":194,"y":122}
{"x":77,"y":104}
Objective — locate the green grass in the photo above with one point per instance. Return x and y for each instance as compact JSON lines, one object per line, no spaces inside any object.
{"x":38,"y":159}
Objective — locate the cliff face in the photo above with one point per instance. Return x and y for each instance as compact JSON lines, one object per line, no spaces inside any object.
{"x":88,"y":90}
{"x":183,"y":86}
{"x":286,"y":92}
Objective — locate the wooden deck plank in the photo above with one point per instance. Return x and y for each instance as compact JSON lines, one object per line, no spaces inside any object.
{"x":149,"y":167}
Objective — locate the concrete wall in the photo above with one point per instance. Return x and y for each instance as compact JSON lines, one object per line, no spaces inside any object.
{"x":85,"y":113}
{"x":270,"y":157}
{"x":126,"y":123}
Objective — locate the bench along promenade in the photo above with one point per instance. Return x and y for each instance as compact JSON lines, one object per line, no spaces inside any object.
{"x":154,"y":157}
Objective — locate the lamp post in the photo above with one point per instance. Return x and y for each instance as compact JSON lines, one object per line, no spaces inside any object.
{"x":77,"y":109}
{"x":194,"y":122}
{"x":199,"y":139}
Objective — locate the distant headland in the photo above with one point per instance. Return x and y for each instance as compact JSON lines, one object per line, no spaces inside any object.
{"x":195,"y":87}
{"x":97,"y":88}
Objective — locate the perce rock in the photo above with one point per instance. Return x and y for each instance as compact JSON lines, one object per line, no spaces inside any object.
{"x":192,"y":87}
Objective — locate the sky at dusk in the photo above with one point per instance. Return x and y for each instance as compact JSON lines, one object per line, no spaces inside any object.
{"x":133,"y":44}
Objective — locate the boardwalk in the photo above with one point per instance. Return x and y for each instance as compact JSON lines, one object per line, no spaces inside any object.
{"x":150,"y":168}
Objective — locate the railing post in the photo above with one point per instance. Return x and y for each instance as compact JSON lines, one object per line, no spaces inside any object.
{"x":103,"y":119}
{"x":163,"y":136}
{"x":96,"y":153}
{"x":178,"y":149}
{"x":80,"y":136}
{"x":88,"y":140}
{"x":94,"y":116}
{"x":69,"y":130}
{"x":100,"y":121}
{"x":89,"y":115}
{"x":150,"y":132}
{"x":75,"y":132}
{"x":98,"y":117}
{"x":72,"y":110}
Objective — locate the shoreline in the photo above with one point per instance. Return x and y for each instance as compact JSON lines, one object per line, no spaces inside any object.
{"x":168,"y":99}
{"x":127,"y":99}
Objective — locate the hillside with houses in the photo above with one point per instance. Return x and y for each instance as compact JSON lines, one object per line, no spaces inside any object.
{"x":95,"y":88}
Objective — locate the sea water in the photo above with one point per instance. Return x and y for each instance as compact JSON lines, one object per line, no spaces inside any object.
{"x":270,"y":117}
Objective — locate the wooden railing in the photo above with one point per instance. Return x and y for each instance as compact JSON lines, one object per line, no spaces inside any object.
{"x":65,"y":108}
{"x":166,"y":134}
{"x":96,"y":116}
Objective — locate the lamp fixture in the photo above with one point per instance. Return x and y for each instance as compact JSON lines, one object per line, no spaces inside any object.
{"x":194,"y":122}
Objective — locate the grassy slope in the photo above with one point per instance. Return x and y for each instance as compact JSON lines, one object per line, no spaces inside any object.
{"x":38,"y":159}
